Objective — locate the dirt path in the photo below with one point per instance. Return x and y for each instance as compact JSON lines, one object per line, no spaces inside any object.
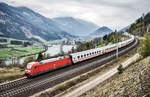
{"x":88,"y":86}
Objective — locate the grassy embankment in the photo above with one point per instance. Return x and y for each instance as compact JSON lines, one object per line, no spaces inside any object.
{"x":133,"y":82}
{"x":9,"y":73}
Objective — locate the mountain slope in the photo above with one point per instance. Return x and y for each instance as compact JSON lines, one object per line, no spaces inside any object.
{"x":75,"y":26}
{"x":23,"y":23}
{"x":140,"y":26}
{"x":101,"y":31}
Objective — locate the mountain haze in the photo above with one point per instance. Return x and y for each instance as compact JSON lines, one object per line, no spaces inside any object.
{"x":124,"y":29}
{"x":75,"y":26}
{"x":101,"y":31}
{"x":23,"y":23}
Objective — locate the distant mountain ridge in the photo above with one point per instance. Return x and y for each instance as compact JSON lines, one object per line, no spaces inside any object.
{"x":101,"y":31}
{"x":75,"y":26}
{"x":23,"y":23}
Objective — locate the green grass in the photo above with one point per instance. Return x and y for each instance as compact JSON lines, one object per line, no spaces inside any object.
{"x":101,"y":45}
{"x":8,"y":53}
{"x":19,"y":50}
{"x":124,"y":38}
{"x":5,"y":53}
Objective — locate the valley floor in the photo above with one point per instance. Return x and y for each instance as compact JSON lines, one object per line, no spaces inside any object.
{"x":17,"y":51}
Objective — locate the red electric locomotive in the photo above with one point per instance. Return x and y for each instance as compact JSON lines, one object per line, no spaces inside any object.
{"x":37,"y":68}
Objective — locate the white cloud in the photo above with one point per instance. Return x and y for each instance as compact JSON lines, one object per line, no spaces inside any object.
{"x":112,"y":13}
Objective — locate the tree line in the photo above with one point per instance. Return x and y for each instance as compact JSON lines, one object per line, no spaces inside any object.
{"x":141,"y":26}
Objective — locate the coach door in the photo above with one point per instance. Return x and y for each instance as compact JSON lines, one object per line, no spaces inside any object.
{"x":54,"y":65}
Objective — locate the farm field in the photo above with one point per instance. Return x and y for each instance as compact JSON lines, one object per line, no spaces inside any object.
{"x":18,"y":51}
{"x":16,"y":48}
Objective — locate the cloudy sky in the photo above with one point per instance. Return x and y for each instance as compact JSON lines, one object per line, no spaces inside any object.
{"x":112,"y":13}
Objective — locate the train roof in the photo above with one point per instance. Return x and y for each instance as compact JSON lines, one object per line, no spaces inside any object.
{"x":93,"y":50}
{"x":103,"y":48}
{"x":51,"y":60}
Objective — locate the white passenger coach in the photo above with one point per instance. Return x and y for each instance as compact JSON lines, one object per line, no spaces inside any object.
{"x":80,"y":56}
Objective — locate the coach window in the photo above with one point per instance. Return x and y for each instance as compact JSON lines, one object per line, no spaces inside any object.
{"x":81,"y":56}
{"x":87,"y":54}
{"x":35,"y":67}
{"x":78,"y":57}
{"x":84,"y":55}
{"x":92,"y":52}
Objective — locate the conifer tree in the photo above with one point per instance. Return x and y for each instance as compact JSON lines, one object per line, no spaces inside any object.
{"x":40,"y":57}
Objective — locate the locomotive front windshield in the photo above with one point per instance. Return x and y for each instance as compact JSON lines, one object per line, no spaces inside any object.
{"x":29,"y":66}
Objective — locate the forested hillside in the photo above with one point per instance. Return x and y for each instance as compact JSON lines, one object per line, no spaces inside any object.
{"x":141,"y":26}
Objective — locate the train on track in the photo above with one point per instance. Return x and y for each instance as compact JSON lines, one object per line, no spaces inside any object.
{"x":37,"y":68}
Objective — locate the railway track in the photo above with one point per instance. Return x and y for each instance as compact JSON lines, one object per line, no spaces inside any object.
{"x":10,"y":84}
{"x":26,"y":87}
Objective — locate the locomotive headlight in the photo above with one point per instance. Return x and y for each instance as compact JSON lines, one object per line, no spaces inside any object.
{"x":28,"y":71}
